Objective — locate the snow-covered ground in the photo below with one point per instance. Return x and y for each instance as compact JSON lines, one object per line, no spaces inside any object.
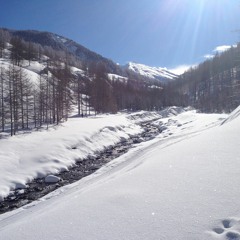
{"x":112,"y":77}
{"x":182,"y":185}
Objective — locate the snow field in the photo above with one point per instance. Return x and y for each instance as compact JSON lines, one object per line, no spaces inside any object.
{"x":182,"y":185}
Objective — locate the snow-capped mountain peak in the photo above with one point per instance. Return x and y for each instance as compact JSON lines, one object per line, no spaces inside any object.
{"x":156,"y":73}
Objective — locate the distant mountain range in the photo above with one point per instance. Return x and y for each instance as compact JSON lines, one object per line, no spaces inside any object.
{"x":58,"y":42}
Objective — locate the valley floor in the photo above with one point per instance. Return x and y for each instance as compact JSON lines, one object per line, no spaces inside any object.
{"x":184,"y":184}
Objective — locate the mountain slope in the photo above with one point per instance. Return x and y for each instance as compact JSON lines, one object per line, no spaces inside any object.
{"x":58,"y":42}
{"x":87,"y":56}
{"x":155,"y":73}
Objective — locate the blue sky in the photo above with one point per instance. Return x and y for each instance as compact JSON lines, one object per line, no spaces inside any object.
{"x":165,"y":33}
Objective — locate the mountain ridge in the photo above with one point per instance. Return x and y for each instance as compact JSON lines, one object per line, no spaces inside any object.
{"x":155,"y":73}
{"x":58,"y":42}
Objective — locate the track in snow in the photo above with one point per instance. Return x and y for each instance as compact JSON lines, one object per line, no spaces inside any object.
{"x":227,"y":229}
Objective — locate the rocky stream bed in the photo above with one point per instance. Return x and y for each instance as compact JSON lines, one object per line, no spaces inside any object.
{"x":40,"y":187}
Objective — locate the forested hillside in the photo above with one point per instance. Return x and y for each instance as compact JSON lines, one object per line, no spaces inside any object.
{"x":40,"y":85}
{"x":214,"y":85}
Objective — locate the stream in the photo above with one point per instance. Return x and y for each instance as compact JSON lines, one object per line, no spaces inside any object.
{"x":38,"y":187}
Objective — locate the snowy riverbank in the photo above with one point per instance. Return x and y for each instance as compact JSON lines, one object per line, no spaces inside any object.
{"x":184,"y":184}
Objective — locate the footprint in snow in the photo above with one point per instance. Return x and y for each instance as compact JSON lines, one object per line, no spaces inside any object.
{"x":218,"y":230}
{"x":229,"y":229}
{"x":233,"y":236}
{"x":226,"y":223}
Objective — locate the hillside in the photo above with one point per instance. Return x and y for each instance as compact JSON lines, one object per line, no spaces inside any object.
{"x":61,"y":43}
{"x":213,"y":85}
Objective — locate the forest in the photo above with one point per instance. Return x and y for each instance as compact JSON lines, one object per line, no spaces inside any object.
{"x":25,"y":104}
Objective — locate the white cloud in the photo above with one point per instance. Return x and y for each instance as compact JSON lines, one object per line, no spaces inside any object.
{"x":181,"y":69}
{"x":219,"y":49}
{"x":222,"y":48}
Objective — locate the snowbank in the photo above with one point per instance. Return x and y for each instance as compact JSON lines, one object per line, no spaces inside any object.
{"x":144,"y":116}
{"x":172,"y":111}
{"x":26,"y":157}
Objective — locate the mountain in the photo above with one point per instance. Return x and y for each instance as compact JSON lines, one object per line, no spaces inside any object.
{"x":61,"y":43}
{"x":60,"y":75}
{"x":155,"y":73}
